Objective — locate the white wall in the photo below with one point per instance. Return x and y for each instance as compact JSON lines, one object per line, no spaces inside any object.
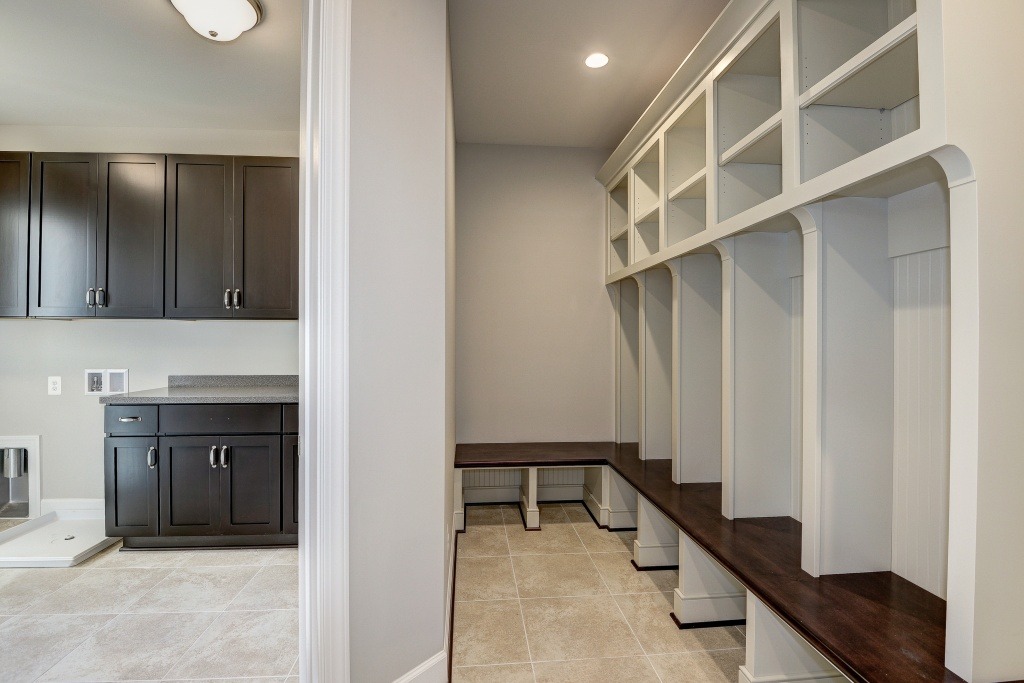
{"x":71,"y":425}
{"x":535,"y":324}
{"x":397,"y":315}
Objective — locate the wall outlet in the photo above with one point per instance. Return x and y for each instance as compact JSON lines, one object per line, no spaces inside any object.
{"x":53,"y":386}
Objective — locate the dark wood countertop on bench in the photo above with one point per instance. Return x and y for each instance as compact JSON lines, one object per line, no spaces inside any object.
{"x":872,"y":627}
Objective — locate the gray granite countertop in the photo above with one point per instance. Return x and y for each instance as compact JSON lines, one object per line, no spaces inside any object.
{"x":215,"y":389}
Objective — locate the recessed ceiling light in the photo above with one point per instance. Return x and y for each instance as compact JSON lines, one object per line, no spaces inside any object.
{"x":220,"y":20}
{"x":596,"y":60}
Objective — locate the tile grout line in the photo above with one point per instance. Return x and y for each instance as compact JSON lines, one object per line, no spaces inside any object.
{"x":92,"y":633}
{"x":207,"y":629}
{"x":519,"y":600}
{"x":619,"y":607}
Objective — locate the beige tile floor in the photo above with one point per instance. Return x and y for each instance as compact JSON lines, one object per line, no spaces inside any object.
{"x":564,"y":605}
{"x":153,"y":616}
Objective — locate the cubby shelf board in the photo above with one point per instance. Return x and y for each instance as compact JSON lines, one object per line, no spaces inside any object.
{"x":763,"y":145}
{"x":881,"y":76}
{"x":619,"y":233}
{"x":694,"y":187}
{"x":650,"y":215}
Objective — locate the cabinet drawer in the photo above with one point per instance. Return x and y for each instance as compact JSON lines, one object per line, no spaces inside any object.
{"x":256,"y":418}
{"x":290,"y":415}
{"x":128,"y":420}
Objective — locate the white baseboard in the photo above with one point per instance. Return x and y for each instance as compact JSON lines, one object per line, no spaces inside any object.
{"x":621,"y":519}
{"x":81,"y":508}
{"x":700,"y":609}
{"x":434,"y":670}
{"x":655,"y":555}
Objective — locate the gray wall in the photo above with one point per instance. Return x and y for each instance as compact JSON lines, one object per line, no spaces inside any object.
{"x":397,"y":315}
{"x":535,"y":323}
{"x":71,"y":425}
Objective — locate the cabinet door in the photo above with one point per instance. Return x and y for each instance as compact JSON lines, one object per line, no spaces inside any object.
{"x":266,"y":223}
{"x":131,"y":486}
{"x":251,"y":485}
{"x":130,"y":246}
{"x":14,"y":176}
{"x":290,"y":484}
{"x":189,"y":486}
{"x":62,"y":235}
{"x":199,"y":237}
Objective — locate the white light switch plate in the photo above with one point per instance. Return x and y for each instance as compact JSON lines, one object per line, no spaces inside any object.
{"x":53,"y":386}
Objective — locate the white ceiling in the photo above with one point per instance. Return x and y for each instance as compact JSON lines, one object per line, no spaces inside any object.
{"x":518,"y":71}
{"x":136,"y":63}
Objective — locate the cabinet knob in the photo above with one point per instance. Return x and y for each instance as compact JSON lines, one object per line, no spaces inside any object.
{"x":213,"y":457}
{"x":227,"y":299}
{"x":151,"y":457}
{"x":224,"y":457}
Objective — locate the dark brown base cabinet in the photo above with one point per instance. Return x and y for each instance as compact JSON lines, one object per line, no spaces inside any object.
{"x":195,"y":482}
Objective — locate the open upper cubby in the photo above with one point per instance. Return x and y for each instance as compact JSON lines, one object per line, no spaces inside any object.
{"x":885,"y":340}
{"x":618,"y":210}
{"x":749,"y":93}
{"x":618,"y":252}
{"x":868,"y":101}
{"x":833,"y":32}
{"x":686,"y":174}
{"x":647,"y":204}
{"x":749,"y":145}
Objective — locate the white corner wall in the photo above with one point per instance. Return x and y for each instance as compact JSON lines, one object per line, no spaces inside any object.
{"x":535,"y":338}
{"x":397,"y":321}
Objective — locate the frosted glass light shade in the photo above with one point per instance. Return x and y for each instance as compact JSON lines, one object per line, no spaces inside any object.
{"x":220,"y":20}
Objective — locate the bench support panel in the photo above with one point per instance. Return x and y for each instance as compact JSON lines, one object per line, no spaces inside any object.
{"x":707,"y":592}
{"x":657,"y":537}
{"x":776,"y":654}
{"x":528,"y":498}
{"x":620,"y":499}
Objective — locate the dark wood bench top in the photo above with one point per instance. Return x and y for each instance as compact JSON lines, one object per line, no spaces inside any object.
{"x":873,"y":627}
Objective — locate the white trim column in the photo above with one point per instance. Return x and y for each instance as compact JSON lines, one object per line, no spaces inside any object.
{"x":324,"y":333}
{"x":707,"y":593}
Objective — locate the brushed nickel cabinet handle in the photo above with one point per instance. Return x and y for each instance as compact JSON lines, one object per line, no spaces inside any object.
{"x":151,"y":457}
{"x":213,"y":457}
{"x":224,"y":457}
{"x":134,"y":418}
{"x":90,"y":297}
{"x":227,"y":299}
{"x":238,"y":298}
{"x":101,"y":298}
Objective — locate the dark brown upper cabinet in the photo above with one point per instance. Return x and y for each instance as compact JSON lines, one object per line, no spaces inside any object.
{"x":15,"y":170}
{"x":199,"y":237}
{"x":62,"y":280}
{"x":266,"y":230}
{"x":232,"y":237}
{"x":97,"y":236}
{"x":130,"y":244}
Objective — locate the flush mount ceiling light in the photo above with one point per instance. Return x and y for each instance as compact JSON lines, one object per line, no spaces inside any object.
{"x":596,"y":60}
{"x":220,"y":20}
